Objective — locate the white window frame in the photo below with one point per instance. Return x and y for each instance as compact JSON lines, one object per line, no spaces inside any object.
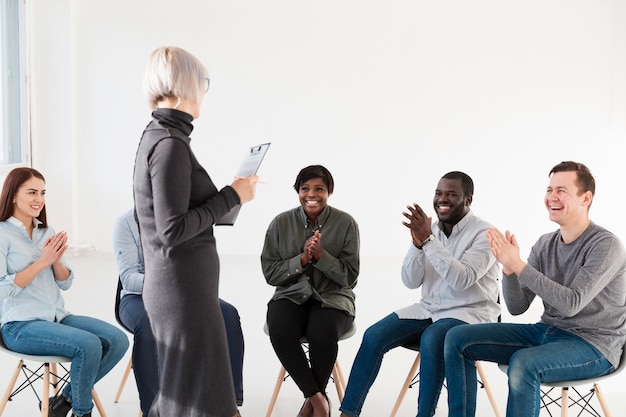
{"x":14,"y":123}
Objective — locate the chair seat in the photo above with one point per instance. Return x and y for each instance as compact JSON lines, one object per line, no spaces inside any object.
{"x":34,"y":358}
{"x":412,"y":346}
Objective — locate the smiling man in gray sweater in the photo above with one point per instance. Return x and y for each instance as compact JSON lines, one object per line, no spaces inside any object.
{"x":579,"y":272}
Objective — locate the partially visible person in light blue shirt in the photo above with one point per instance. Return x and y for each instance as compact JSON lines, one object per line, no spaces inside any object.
{"x":33,"y":318}
{"x":451,"y":260}
{"x":133,"y":315}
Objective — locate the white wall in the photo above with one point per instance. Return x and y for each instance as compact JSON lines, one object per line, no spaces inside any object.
{"x":388,"y":95}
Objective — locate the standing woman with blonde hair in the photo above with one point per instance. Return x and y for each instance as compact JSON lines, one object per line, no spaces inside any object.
{"x":32,"y":310}
{"x":176,"y":205}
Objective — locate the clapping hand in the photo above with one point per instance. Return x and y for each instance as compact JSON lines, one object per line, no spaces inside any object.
{"x":419,"y":224}
{"x":313,"y":246}
{"x":506,"y":250}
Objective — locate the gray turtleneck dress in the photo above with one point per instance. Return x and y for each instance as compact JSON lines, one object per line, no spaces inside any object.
{"x":176,"y":205}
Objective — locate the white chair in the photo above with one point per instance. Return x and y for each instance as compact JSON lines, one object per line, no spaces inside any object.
{"x":337,"y":376}
{"x":413,"y":375}
{"x":583,"y":401}
{"x":46,"y":372}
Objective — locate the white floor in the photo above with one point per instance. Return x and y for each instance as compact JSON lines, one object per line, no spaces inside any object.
{"x":379,"y":292}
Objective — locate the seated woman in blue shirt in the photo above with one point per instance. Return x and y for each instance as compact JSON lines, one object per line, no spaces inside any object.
{"x":133,"y":315}
{"x":33,"y":319}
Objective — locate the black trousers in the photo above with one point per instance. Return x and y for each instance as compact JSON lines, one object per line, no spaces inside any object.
{"x":288,"y":322}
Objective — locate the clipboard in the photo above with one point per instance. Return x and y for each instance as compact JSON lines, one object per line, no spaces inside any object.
{"x":249,"y":166}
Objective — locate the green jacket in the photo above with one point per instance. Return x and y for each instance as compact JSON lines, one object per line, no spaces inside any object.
{"x":333,"y":277}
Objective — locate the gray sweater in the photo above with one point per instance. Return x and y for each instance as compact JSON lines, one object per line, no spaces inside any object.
{"x":582,"y":285}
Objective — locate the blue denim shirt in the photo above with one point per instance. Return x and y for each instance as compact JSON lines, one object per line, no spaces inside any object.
{"x":39,"y":300}
{"x":128,"y":254}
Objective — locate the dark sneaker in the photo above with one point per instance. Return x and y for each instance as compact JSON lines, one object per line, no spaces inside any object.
{"x":58,"y":406}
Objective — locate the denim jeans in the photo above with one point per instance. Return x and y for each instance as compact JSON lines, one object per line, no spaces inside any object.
{"x":391,"y":332}
{"x":94,"y":346}
{"x":535,"y":353}
{"x":145,"y":367}
{"x":234,"y":334}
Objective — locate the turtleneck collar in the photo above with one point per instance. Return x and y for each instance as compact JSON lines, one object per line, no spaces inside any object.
{"x":174,"y":118}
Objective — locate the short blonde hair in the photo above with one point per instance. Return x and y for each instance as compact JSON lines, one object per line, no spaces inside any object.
{"x":173,"y":72}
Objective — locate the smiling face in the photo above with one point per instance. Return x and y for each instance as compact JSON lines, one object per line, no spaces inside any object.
{"x":313,"y":196}
{"x":564,"y":201}
{"x":450,"y":203}
{"x":29,"y":200}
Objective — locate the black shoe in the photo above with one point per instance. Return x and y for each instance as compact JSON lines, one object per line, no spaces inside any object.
{"x":58,"y":406}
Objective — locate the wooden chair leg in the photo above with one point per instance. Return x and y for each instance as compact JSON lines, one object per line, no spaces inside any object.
{"x":279,"y":383}
{"x":487,"y":388}
{"x":46,"y":390}
{"x":10,"y":386}
{"x":98,"y":403}
{"x":54,"y":377}
{"x":564,"y":401}
{"x":602,"y":401}
{"x":338,"y":375}
{"x":123,"y":381}
{"x":405,"y":385}
{"x":338,"y":383}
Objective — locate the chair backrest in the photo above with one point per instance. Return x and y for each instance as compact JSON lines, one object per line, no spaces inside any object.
{"x":118,"y":297}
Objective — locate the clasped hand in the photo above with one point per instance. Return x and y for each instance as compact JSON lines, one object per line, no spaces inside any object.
{"x":313,"y":246}
{"x":54,"y":248}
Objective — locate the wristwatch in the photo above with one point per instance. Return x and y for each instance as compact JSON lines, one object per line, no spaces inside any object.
{"x":429,"y":239}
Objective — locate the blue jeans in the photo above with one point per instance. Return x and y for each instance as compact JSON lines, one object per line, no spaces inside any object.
{"x":94,"y":346}
{"x":391,"y":332}
{"x":133,"y":315}
{"x":535,"y":353}
{"x":145,"y":368}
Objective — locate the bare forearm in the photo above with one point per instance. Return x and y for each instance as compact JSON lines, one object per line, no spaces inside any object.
{"x":61,"y":273}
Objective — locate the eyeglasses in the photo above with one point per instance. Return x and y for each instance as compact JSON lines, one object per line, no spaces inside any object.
{"x":208,"y":81}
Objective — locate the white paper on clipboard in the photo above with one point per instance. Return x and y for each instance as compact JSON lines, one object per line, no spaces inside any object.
{"x":249,"y":166}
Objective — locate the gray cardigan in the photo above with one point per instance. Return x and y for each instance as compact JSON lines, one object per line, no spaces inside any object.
{"x":582,"y":285}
